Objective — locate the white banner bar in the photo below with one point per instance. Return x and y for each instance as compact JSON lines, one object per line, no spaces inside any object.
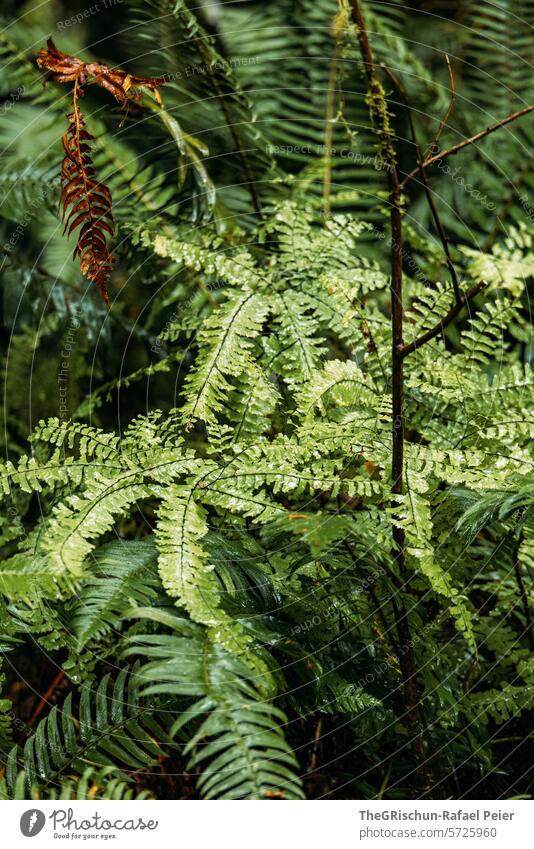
{"x":262,"y":825}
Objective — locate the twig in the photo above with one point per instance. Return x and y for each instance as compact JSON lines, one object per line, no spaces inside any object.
{"x":379,"y":115}
{"x":428,"y":192}
{"x":380,"y":119}
{"x":365,"y":47}
{"x":443,"y":322}
{"x":328,"y":136}
{"x":316,"y":741}
{"x":472,"y":140}
{"x":45,"y":699}
{"x":445,"y":119}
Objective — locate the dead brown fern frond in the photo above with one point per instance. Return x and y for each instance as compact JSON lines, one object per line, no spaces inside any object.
{"x":85,"y":202}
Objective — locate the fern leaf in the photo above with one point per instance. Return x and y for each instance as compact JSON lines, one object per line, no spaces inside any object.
{"x":121,"y":578}
{"x":234,"y":328}
{"x":184,"y":567}
{"x":86,"y":204}
{"x":115,"y":729}
{"x":239,"y":746}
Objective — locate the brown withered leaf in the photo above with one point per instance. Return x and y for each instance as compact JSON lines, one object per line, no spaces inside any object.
{"x":66,"y":69}
{"x":86,"y":204}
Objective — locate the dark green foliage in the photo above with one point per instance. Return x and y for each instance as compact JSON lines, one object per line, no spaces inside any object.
{"x":207,"y":490}
{"x":113,"y":728}
{"x":122,"y":575}
{"x":246,"y":756}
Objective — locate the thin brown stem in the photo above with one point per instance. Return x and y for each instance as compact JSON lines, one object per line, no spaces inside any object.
{"x":379,"y":116}
{"x":328,"y":135}
{"x":438,"y":328}
{"x":472,"y":140}
{"x":47,"y":696}
{"x":426,"y":185}
{"x":444,"y":121}
{"x":363,"y":40}
{"x":380,"y":121}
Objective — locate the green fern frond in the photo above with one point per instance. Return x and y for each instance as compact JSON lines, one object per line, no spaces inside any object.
{"x":239,"y":745}
{"x":122,"y":576}
{"x":114,"y":728}
{"x":92,"y":784}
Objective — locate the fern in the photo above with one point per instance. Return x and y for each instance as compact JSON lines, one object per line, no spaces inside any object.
{"x":220,"y":508}
{"x":92,"y":784}
{"x":114,"y":729}
{"x":121,"y":576}
{"x":241,"y":738}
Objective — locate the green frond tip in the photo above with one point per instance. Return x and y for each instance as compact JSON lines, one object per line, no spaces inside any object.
{"x":185,"y":570}
{"x":122,"y":575}
{"x":94,"y":783}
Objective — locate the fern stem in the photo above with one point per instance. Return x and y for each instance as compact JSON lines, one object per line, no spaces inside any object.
{"x":328,"y":134}
{"x":240,"y":148}
{"x":380,"y":118}
{"x":445,"y":120}
{"x":47,"y":696}
{"x":472,"y":140}
{"x":426,"y":185}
